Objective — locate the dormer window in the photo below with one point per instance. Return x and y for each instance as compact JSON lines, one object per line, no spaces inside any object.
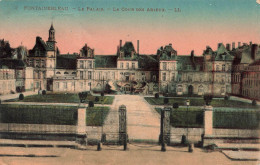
{"x":164,"y":65}
{"x":223,"y":57}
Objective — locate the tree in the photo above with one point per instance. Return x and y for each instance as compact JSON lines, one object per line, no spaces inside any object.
{"x":175,"y":105}
{"x":90,"y":104}
{"x":254,"y":102}
{"x":166,"y":100}
{"x":83,"y":96}
{"x":208,"y":99}
{"x":96,"y":99}
{"x":226,"y":97}
{"x":107,"y":88}
{"x":21,"y":96}
{"x":44,"y":92}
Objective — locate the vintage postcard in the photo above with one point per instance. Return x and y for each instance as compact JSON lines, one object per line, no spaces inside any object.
{"x":129,"y":82}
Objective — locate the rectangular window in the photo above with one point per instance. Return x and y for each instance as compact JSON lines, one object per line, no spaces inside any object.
{"x":99,"y":75}
{"x":44,"y":74}
{"x":65,"y":85}
{"x":89,"y":75}
{"x":229,"y":67}
{"x":37,"y":63}
{"x":81,"y":64}
{"x":31,"y":63}
{"x":81,"y":74}
{"x":133,"y":65}
{"x":58,"y":85}
{"x":218,"y":68}
{"x":121,"y":65}
{"x":90,"y":64}
{"x":223,"y":67}
{"x":173,"y":77}
{"x":43,"y":63}
{"x":127,"y":65}
{"x":164,"y":77}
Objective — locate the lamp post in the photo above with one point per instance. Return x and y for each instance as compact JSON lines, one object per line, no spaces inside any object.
{"x":187,"y":104}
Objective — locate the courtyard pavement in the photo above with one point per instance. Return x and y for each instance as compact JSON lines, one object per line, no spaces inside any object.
{"x":143,"y":122}
{"x":114,"y":155}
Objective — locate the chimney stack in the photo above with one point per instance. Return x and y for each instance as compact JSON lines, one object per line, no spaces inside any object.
{"x":239,"y":44}
{"x":192,"y":56}
{"x":228,"y":47}
{"x":250,"y":43}
{"x":120,"y":44}
{"x":254,"y":50}
{"x":219,"y":44}
{"x":233,"y":45}
{"x":138,"y":47}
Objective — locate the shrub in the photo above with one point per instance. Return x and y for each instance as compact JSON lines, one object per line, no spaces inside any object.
{"x":175,"y":105}
{"x":208,"y":99}
{"x":90,"y":104}
{"x":44,"y":92}
{"x":166,"y":100}
{"x":254,"y":102}
{"x":156,"y":95}
{"x":226,"y":97}
{"x":83,"y":96}
{"x":21,"y":96}
{"x":96,"y":99}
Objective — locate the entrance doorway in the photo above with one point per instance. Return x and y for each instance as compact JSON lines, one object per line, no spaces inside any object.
{"x":190,"y":90}
{"x":127,"y":88}
{"x":49,"y":84}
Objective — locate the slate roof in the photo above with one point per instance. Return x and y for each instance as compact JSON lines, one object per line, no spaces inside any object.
{"x":167,"y":53}
{"x":257,"y":62}
{"x":222,"y":54}
{"x":183,"y":61}
{"x":67,"y":61}
{"x":243,"y":55}
{"x":128,"y":48}
{"x":105,"y":61}
{"x":12,"y":63}
{"x":148,"y":62}
{"x":51,"y":28}
{"x":42,"y":46}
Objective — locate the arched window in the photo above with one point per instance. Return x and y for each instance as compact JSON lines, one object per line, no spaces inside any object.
{"x":66,"y":73}
{"x":73,"y":73}
{"x":200,"y":89}
{"x":179,"y":88}
{"x":57,"y":72}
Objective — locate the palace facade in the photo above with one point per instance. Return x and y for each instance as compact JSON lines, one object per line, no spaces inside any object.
{"x":221,"y":72}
